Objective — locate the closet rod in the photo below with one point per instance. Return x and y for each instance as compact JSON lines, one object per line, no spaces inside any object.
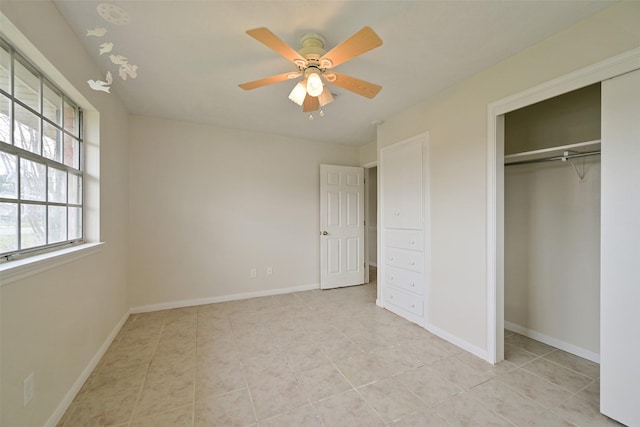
{"x":550,"y":159}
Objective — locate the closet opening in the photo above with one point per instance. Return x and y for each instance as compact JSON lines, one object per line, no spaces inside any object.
{"x":552,"y":223}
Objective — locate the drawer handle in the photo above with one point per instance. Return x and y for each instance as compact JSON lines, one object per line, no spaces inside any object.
{"x":413,"y":242}
{"x":391,"y":297}
{"x":413,"y":285}
{"x":391,"y":258}
{"x":396,"y":213}
{"x":412,"y":263}
{"x":413,"y":306}
{"x":390,"y":278}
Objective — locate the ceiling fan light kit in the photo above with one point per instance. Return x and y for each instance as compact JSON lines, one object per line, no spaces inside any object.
{"x":298,"y":93}
{"x":313,"y":61}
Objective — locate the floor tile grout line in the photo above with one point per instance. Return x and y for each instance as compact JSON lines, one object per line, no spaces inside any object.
{"x":569,"y":368}
{"x":246,"y":382}
{"x":146,"y":374}
{"x":550,"y":382}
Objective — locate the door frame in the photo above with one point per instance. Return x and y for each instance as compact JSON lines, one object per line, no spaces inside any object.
{"x":367,"y":214}
{"x":603,"y":70}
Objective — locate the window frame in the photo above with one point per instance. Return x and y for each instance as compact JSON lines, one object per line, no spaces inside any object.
{"x":75,"y":135}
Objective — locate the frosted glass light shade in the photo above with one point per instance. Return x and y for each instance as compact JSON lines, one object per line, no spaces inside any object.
{"x":314,"y":84}
{"x":325,"y":97}
{"x":298,"y":93}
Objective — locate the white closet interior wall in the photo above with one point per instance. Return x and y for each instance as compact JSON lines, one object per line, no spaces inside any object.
{"x":552,"y":226}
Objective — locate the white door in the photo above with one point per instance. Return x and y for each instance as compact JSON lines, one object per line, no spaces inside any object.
{"x":341,"y":226}
{"x":620,"y":250}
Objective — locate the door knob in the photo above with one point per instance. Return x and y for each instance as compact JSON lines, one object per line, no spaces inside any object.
{"x":324,"y":233}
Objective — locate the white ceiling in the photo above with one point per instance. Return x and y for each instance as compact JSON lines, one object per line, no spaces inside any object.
{"x":191,"y":55}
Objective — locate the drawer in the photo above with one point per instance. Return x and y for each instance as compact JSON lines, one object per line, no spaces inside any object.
{"x":403,"y":279}
{"x":410,"y":260}
{"x":411,"y":303}
{"x":405,"y":239}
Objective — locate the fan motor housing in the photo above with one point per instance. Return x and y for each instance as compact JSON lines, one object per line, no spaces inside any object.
{"x":312,"y":46}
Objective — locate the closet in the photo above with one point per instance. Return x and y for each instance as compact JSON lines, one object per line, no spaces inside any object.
{"x":403,"y":267}
{"x":552,"y":221}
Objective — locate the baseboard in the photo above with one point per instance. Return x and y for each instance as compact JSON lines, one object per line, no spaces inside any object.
{"x":473,"y":349}
{"x":55,"y":418}
{"x":212,"y":300}
{"x":546,"y":339}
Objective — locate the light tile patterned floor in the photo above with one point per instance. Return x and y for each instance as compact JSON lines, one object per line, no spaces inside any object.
{"x":323,"y":358}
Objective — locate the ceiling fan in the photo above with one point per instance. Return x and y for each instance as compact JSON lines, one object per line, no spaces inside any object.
{"x":315,"y":65}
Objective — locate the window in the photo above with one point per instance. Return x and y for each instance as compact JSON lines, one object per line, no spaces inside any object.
{"x":41,"y":165}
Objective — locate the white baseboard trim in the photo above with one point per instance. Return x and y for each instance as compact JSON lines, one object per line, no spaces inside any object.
{"x":55,"y":418}
{"x":473,"y":349}
{"x":546,"y":339}
{"x":223,"y":298}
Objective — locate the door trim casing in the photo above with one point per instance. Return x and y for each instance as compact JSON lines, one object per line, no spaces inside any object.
{"x":603,"y":70}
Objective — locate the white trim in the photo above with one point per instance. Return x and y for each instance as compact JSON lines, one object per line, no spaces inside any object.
{"x":475,"y":350}
{"x":12,"y":271}
{"x":370,"y":165}
{"x":603,"y":70}
{"x":223,"y":298}
{"x":554,"y":342}
{"x":57,"y":415}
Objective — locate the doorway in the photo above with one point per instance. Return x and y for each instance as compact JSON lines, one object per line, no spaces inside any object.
{"x":371,"y":222}
{"x":595,"y":73}
{"x":552,"y":222}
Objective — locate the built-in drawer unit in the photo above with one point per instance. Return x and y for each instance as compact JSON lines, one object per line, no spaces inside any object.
{"x":403,"y":279}
{"x":410,"y":260}
{"x":411,"y":303}
{"x":405,"y":239}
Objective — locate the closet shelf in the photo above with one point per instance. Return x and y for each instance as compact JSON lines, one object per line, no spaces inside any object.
{"x":580,"y":147}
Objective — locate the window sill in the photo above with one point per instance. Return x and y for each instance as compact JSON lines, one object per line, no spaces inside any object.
{"x":23,"y":268}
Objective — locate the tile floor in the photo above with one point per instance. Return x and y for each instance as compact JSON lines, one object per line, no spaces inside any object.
{"x":323,"y":358}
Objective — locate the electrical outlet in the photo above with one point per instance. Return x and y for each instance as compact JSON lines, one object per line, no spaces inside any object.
{"x":254,"y":273}
{"x":269,"y":271}
{"x":28,"y":390}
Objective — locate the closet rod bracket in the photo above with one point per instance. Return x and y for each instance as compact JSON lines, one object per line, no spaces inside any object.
{"x":566,"y":157}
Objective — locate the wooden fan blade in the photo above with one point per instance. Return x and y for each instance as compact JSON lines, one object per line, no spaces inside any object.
{"x":310,"y":103}
{"x":361,"y":87}
{"x":267,"y":38}
{"x":268,"y":80}
{"x":359,"y":43}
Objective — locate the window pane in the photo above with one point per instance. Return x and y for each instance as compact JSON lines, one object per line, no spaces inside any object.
{"x":57,"y":188}
{"x":75,"y":189}
{"x":33,"y":180}
{"x":71,"y":152}
{"x":5,"y":70}
{"x":75,"y":223}
{"x":57,"y":224}
{"x":33,"y":225}
{"x":26,"y":131}
{"x":71,"y":118}
{"x":8,"y":227}
{"x":51,"y":142}
{"x":8,"y":175}
{"x":27,"y":86}
{"x":52,"y":104}
{"x":5,"y":119}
